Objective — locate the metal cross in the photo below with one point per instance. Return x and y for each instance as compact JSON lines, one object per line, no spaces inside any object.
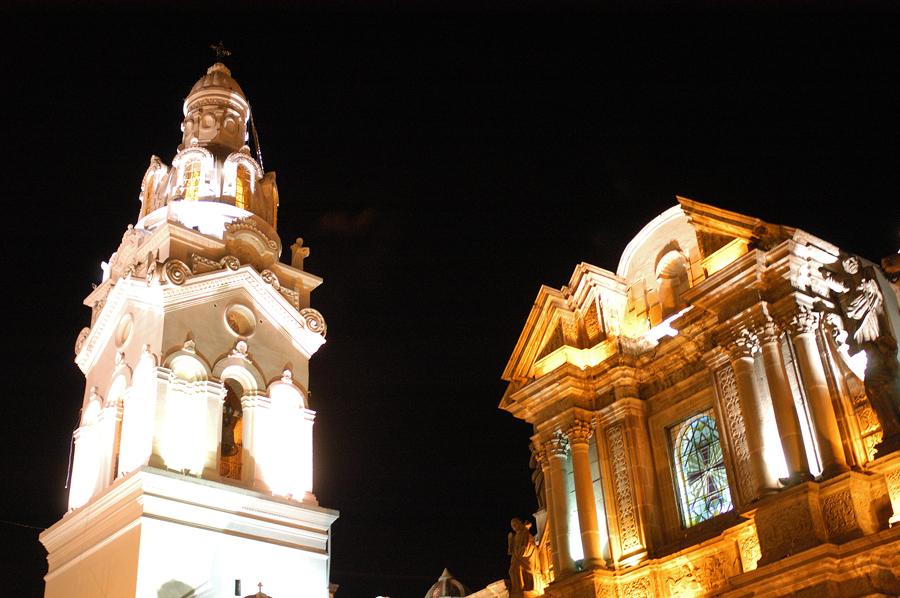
{"x":220,"y":50}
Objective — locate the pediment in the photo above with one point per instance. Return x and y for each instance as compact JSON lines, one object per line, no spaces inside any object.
{"x":551,"y":324}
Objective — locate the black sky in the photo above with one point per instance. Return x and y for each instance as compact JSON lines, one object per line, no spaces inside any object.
{"x":441,"y":165}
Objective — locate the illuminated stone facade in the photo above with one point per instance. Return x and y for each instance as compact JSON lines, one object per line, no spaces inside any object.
{"x":192,"y":469}
{"x":704,"y":422}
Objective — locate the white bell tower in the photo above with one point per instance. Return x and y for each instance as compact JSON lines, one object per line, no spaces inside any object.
{"x":192,"y":471}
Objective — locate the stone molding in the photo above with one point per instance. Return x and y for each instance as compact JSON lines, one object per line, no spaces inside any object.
{"x":737,"y":430}
{"x":626,"y":509}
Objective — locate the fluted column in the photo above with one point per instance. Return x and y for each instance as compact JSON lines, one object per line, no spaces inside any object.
{"x":579,"y":434}
{"x":557,"y":449}
{"x":742,"y":350}
{"x":783,"y":405}
{"x":803,"y":326}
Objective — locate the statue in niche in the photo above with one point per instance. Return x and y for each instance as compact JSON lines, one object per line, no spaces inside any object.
{"x":861,"y":308}
{"x":522,"y":552}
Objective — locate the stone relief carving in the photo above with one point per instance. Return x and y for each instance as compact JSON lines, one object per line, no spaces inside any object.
{"x":785,"y":532}
{"x":639,"y":588}
{"x":537,"y":462}
{"x":736,"y":429}
{"x":749,"y":551}
{"x":682,"y":581}
{"x":838,"y":512}
{"x":625,"y":507}
{"x":201,"y":265}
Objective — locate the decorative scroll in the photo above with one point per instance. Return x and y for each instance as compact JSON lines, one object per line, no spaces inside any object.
{"x":315,"y":321}
{"x":176,"y":271}
{"x":736,"y":430}
{"x":625,"y":507}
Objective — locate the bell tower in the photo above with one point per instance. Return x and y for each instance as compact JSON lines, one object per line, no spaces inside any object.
{"x":192,"y":470}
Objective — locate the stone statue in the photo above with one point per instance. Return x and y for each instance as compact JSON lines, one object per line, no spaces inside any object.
{"x":861,"y":308}
{"x":522,"y":552}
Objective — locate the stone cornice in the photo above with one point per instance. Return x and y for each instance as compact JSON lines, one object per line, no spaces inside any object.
{"x":565,"y":387}
{"x":149,"y":493}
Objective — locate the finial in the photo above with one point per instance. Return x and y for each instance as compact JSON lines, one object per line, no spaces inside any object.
{"x":220,"y":50}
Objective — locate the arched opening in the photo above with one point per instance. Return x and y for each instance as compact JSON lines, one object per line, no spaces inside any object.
{"x":699,"y":464}
{"x":192,"y":180}
{"x":242,"y":188}
{"x":671,"y":282}
{"x":232,"y":431}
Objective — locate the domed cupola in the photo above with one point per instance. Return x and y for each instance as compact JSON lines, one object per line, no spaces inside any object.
{"x":214,"y":178}
{"x":216,"y":113}
{"x":446,"y":586}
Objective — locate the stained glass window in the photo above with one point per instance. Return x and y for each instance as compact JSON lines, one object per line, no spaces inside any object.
{"x":242,"y":188}
{"x":700,"y":472}
{"x":192,"y":180}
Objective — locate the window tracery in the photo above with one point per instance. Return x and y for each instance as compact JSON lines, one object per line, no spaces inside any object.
{"x":701,"y":477}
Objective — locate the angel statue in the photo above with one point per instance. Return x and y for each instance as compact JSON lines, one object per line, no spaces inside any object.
{"x":861,"y":308}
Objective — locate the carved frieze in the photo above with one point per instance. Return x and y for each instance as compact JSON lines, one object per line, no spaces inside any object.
{"x":785,"y":531}
{"x":629,"y":534}
{"x":748,"y":546}
{"x":639,"y":588}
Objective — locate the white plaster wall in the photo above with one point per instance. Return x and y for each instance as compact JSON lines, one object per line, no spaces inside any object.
{"x":177,"y":557}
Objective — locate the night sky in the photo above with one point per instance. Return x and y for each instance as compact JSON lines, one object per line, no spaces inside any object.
{"x":441,"y":166}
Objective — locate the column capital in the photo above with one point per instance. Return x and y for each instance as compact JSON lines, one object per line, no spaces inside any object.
{"x":579,"y":432}
{"x":557,"y":446}
{"x":540,"y":456}
{"x":744,"y":344}
{"x":802,"y":320}
{"x":767,"y":332}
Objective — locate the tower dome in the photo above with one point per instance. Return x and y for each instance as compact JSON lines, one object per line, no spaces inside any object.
{"x":446,"y":586}
{"x":216,"y":113}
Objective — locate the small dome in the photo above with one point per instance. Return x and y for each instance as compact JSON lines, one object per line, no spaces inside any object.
{"x":217,"y":76}
{"x":446,"y":586}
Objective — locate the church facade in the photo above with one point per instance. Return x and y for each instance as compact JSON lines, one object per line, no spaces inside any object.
{"x":719,"y":416}
{"x":192,"y":469}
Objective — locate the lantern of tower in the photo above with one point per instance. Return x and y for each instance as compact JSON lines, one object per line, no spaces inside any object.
{"x":192,"y":467}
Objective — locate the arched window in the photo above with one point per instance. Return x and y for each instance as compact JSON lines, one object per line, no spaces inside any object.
{"x":701,"y":479}
{"x":672,"y":280}
{"x":232,"y":431}
{"x":242,"y":188}
{"x":192,"y":180}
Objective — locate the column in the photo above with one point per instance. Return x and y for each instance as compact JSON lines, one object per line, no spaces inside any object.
{"x":803,"y":326}
{"x":579,"y":434}
{"x":742,"y":350}
{"x":557,"y":448}
{"x":541,"y":457}
{"x":783,"y":406}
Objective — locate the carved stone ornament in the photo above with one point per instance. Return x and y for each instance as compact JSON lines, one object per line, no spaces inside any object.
{"x":639,"y":588}
{"x":558,"y":446}
{"x":625,"y":508}
{"x":803,"y":321}
{"x":744,"y":344}
{"x":287,"y":376}
{"x":269,"y":277}
{"x":80,"y":340}
{"x":240,"y":349}
{"x":176,"y":271}
{"x":579,"y":432}
{"x":248,"y":224}
{"x":839,"y":515}
{"x":314,"y":320}
{"x":748,"y":546}
{"x":201,"y":265}
{"x":190,"y":346}
{"x":126,"y":259}
{"x":731,"y":405}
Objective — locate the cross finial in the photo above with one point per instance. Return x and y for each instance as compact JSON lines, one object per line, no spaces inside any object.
{"x":259,"y":585}
{"x":220,"y":50}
